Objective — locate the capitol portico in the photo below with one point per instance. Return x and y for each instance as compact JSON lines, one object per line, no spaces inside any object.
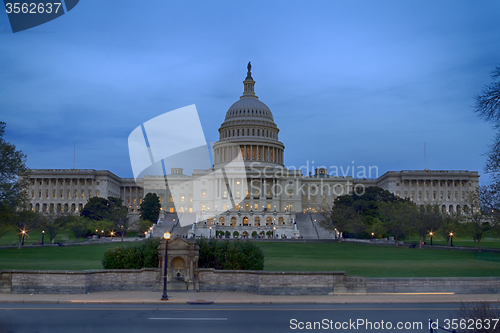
{"x":248,"y":190}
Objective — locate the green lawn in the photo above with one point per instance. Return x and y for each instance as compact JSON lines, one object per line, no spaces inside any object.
{"x":77,"y":257}
{"x":355,"y":259}
{"x":489,"y":239}
{"x":35,"y":237}
{"x":374,"y":261}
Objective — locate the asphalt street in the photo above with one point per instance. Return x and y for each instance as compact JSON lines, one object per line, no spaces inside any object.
{"x":97,"y":318}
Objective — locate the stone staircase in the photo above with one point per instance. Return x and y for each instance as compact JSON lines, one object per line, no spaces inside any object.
{"x":166,"y":225}
{"x":322,"y":232}
{"x":171,"y":224}
{"x":305,"y":226}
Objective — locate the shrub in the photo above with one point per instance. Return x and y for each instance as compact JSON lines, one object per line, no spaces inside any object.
{"x":240,"y":255}
{"x":236,"y":234}
{"x":228,"y":234}
{"x":254,"y":234}
{"x":135,"y":256}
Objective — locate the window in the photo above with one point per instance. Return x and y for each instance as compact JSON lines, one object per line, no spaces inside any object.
{"x":182,"y":198}
{"x":203,"y":194}
{"x":171,"y":210}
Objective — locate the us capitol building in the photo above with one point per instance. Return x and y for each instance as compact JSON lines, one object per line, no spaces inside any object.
{"x":254,"y":193}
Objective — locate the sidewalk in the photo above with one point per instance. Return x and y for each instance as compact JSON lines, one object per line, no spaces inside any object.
{"x":147,"y":297}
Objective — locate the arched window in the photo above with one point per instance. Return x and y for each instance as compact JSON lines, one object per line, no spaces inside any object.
{"x":245,"y":220}
{"x":233,"y":221}
{"x":221,"y":220}
{"x":257,"y":221}
{"x":269,"y":221}
{"x":210,"y":221}
{"x":281,"y":221}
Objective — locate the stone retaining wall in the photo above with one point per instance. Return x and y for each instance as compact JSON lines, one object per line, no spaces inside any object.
{"x":280,"y":283}
{"x":259,"y":282}
{"x":77,"y":282}
{"x":465,"y":285}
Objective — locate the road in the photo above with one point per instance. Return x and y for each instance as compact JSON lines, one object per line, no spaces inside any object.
{"x":97,"y":318}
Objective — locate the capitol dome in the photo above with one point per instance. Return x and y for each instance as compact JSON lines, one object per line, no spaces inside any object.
{"x":249,"y":128}
{"x":249,"y":106}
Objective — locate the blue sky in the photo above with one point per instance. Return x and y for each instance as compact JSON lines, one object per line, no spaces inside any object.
{"x":362,"y":81}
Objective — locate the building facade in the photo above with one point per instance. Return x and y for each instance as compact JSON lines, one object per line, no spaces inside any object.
{"x":248,"y":189}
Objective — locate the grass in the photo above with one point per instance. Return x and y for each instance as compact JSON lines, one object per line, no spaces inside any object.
{"x":374,"y":261}
{"x":35,"y":237}
{"x":355,"y":259}
{"x":78,"y":257}
{"x":489,"y":239}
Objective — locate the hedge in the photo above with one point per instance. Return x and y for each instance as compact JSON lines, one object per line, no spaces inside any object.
{"x":225,"y":254}
{"x":135,"y":256}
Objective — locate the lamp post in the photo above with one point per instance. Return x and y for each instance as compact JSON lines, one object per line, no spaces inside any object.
{"x":210,"y":232}
{"x":431,"y":234}
{"x":451,"y":238}
{"x":22,"y":239}
{"x":373,"y":234}
{"x":274,"y":229}
{"x":164,"y":297}
{"x":43,"y":234}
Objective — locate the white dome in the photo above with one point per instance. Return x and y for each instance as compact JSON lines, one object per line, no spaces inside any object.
{"x":249,"y":106}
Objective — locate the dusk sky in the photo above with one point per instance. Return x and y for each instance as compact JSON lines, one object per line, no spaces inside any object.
{"x":363,"y":81}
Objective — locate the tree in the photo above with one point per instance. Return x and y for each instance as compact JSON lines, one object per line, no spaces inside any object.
{"x":118,"y":215}
{"x":79,"y":225}
{"x":480,"y":218}
{"x":96,"y":208}
{"x":150,"y":207}
{"x":429,"y":219}
{"x":52,"y":225}
{"x":101,"y":227}
{"x":144,"y":226}
{"x":14,"y":181}
{"x":488,"y":107}
{"x":110,"y":209}
{"x":399,"y":218}
{"x":450,"y":225}
{"x":341,"y":216}
{"x":25,"y":221}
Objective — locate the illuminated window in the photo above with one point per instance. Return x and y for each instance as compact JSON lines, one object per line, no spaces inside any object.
{"x":171,"y":210}
{"x":182,"y":198}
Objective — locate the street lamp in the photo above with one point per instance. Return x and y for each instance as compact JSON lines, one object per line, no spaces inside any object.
{"x":373,"y":234}
{"x":274,"y":229}
{"x":210,"y":232}
{"x":451,"y":238}
{"x":431,"y":234}
{"x":164,"y":297}
{"x":22,"y":237}
{"x":43,"y":234}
